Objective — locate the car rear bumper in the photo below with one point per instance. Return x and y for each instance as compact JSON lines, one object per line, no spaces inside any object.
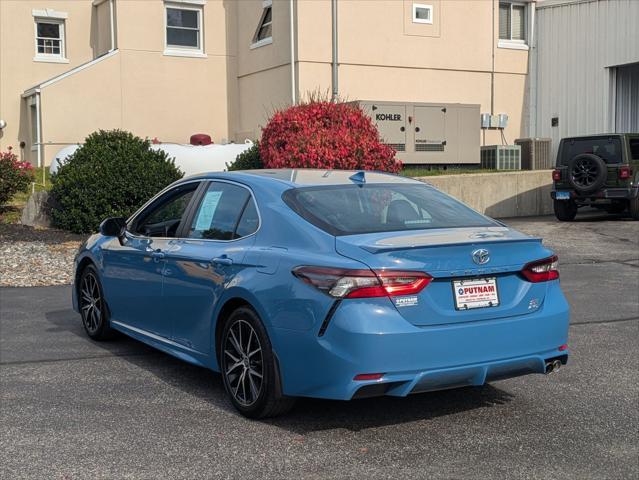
{"x":601,"y":195}
{"x":372,"y":337}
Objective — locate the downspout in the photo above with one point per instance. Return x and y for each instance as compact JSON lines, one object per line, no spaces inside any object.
{"x":492,"y":70}
{"x":39,"y":132}
{"x":112,"y":15}
{"x":335,"y":92}
{"x":293,"y":79}
{"x":533,"y":60}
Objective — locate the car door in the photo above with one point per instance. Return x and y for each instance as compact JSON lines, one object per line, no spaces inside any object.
{"x":202,"y":264}
{"x":134,"y":269}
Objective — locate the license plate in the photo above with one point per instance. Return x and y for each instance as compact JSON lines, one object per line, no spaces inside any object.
{"x":562,"y":195}
{"x":475,"y":293}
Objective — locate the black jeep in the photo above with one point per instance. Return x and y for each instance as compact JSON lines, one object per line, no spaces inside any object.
{"x":600,"y":171}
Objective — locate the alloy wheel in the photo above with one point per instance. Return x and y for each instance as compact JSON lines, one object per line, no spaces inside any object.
{"x":584,"y":172}
{"x":91,"y":303}
{"x":243,"y":363}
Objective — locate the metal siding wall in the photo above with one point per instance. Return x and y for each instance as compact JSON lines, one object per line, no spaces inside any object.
{"x":627,"y":111}
{"x":575,"y":43}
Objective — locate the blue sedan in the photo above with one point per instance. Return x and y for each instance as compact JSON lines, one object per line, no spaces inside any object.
{"x":328,"y":284}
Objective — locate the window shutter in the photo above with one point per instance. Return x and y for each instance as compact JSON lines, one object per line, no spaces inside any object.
{"x":518,"y":22}
{"x":504,"y":21}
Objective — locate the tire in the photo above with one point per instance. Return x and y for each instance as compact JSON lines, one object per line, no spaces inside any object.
{"x":249,"y":368}
{"x":587,"y":173}
{"x":565,"y":210}
{"x":634,"y":208}
{"x":93,"y":308}
{"x":615,"y":208}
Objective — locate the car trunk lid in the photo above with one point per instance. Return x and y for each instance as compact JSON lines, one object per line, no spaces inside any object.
{"x":447,"y":255}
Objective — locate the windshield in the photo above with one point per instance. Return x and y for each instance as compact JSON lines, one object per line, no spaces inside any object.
{"x":355,"y":209}
{"x":608,"y":148}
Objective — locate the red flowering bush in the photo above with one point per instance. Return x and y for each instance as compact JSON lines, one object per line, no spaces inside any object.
{"x":15,"y":176}
{"x":322,"y":134}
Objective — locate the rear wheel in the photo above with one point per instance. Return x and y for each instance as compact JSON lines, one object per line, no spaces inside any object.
{"x":93,"y":308}
{"x":634,"y":208}
{"x":249,"y":368}
{"x":618,"y":207}
{"x":565,"y":210}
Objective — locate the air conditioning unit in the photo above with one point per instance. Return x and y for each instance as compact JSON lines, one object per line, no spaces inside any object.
{"x":535,"y":153}
{"x":501,"y":157}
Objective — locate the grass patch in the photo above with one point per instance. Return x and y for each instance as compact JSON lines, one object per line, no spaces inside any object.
{"x":428,"y":172}
{"x":12,"y":212}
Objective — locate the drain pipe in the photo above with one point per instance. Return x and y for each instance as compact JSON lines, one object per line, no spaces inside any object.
{"x":492,"y":70}
{"x":335,"y":92}
{"x":39,"y":132}
{"x":293,"y":80}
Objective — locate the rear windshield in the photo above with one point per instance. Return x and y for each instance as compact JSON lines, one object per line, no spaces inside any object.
{"x":354,"y":209}
{"x":609,"y":149}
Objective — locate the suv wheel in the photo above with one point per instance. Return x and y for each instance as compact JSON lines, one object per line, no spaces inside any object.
{"x":565,"y":210}
{"x":587,"y":173}
{"x":249,"y":367}
{"x":634,"y":208}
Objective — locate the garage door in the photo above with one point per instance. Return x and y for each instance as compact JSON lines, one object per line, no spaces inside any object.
{"x":627,"y":103}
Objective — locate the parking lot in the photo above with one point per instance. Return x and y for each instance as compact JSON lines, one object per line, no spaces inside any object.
{"x":72,"y":408}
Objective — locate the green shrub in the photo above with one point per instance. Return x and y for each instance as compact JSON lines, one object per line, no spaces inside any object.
{"x":111,"y":175}
{"x":15,"y":176}
{"x":247,"y":160}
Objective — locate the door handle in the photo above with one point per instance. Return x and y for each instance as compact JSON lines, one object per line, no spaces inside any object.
{"x":222,"y":261}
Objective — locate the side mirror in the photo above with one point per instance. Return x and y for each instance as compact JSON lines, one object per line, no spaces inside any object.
{"x":113,"y":227}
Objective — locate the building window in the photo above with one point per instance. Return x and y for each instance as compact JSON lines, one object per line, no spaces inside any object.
{"x":49,"y":40}
{"x":422,"y":13}
{"x":264,"y":33}
{"x":183,"y":30}
{"x":512,"y":22}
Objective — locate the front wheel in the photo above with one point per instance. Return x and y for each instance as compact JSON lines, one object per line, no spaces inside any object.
{"x":93,"y":307}
{"x":565,"y":210}
{"x":249,"y":368}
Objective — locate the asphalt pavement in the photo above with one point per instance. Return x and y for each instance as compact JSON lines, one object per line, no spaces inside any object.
{"x":73,"y":409}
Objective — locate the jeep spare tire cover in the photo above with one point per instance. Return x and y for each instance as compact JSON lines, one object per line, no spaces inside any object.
{"x":587,"y":172}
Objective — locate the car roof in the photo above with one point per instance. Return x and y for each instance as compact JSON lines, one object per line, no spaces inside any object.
{"x":304,"y":177}
{"x":600,"y":135}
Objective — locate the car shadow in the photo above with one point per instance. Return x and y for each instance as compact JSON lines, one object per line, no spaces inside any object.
{"x":308,"y":415}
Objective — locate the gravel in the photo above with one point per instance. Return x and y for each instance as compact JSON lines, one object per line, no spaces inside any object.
{"x":32,"y":257}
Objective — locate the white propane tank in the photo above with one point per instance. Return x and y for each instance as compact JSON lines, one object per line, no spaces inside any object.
{"x":191,"y":159}
{"x":203,"y":158}
{"x":61,"y":156}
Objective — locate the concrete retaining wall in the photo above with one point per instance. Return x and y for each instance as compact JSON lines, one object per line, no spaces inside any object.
{"x":500,"y":195}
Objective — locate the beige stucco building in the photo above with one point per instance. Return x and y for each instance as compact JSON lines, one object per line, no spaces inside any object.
{"x":168,"y":69}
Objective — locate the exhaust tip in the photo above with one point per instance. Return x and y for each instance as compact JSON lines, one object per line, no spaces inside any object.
{"x":552,"y":366}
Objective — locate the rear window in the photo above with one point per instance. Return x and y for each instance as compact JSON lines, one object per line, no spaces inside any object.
{"x":609,"y":149}
{"x":354,"y":209}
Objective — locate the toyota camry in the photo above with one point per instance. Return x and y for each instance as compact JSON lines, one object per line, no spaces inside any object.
{"x":324,"y":283}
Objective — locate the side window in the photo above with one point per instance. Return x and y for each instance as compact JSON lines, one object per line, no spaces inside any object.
{"x":249,"y":221}
{"x":634,"y":148}
{"x":224,"y":213}
{"x":163,"y":217}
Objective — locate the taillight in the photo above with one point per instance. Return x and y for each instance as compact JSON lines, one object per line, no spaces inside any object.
{"x":556,"y":175}
{"x":625,"y":173}
{"x":542,"y":270}
{"x":347,"y":283}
